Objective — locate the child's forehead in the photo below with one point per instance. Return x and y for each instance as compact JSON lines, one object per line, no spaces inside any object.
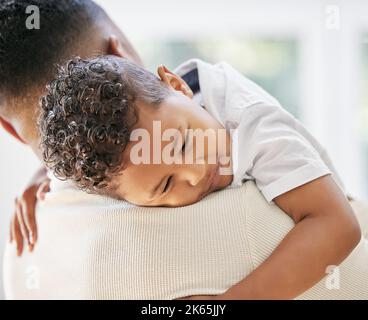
{"x":165,"y":116}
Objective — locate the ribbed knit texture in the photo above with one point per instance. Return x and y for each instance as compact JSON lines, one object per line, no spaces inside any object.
{"x":97,"y":248}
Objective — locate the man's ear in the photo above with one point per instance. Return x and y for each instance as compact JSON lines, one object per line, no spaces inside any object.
{"x":115,"y":48}
{"x":10,"y":129}
{"x":174,"y":81}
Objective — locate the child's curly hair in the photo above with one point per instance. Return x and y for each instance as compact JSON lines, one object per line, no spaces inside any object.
{"x":87,"y":115}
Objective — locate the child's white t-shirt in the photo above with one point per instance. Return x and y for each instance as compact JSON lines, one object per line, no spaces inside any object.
{"x":269,"y":145}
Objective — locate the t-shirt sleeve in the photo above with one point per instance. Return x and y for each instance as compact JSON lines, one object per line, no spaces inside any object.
{"x":268,"y":148}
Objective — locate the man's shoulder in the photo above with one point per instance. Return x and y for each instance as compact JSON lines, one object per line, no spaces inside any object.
{"x":64,"y":195}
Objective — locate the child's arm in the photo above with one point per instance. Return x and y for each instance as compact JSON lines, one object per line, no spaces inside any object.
{"x":23,"y":226}
{"x":325,"y":233}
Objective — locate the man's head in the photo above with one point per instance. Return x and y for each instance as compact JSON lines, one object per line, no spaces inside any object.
{"x":28,"y":56}
{"x":98,"y":128}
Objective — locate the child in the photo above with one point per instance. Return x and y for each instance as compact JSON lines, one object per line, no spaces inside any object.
{"x":114,"y":128}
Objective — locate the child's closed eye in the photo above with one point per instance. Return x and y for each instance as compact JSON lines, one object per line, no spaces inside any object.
{"x":167,"y":185}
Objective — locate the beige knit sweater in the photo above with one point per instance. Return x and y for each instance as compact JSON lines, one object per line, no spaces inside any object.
{"x":97,"y":248}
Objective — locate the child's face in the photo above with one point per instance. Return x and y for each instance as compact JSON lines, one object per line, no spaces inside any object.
{"x":165,"y":181}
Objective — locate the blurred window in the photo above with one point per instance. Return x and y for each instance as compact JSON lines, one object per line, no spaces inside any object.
{"x":273,"y":64}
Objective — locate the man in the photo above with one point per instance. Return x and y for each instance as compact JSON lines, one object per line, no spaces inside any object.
{"x":68,"y":28}
{"x":87,"y":247}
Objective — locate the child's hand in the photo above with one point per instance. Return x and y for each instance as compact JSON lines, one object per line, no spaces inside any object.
{"x":23,"y":224}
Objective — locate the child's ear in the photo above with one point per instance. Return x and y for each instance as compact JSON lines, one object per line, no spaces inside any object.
{"x":174,"y":81}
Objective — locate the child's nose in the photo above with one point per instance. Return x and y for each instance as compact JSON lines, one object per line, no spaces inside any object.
{"x":193,"y":174}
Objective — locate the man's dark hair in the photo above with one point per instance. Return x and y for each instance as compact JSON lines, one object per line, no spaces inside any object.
{"x":27,"y":56}
{"x":88,"y":114}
